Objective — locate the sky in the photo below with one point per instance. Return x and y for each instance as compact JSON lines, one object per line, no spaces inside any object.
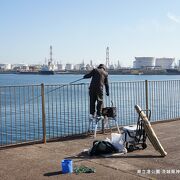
{"x":80,"y":30}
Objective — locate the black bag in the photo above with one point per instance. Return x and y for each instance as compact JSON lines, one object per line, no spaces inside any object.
{"x":109,"y":112}
{"x":102,"y":147}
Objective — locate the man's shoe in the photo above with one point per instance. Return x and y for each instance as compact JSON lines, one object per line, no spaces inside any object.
{"x":100,"y":117}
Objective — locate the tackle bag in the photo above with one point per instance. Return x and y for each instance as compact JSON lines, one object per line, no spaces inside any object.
{"x":102,"y":147}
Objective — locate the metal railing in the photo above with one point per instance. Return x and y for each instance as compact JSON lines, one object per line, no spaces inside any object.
{"x":164,"y":99}
{"x":20,"y":114}
{"x":39,"y":112}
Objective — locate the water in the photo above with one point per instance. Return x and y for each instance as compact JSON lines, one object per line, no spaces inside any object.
{"x":69,"y":105}
{"x":21,"y":79}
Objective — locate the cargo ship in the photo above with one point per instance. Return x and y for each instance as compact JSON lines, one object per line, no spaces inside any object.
{"x":46,"y":70}
{"x":173,"y":71}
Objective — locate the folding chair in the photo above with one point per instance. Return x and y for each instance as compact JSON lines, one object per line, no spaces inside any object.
{"x":108,"y":113}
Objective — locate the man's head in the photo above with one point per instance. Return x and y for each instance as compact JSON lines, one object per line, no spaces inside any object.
{"x":102,"y":66}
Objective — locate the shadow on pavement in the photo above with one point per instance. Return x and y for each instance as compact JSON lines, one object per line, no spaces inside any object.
{"x":55,"y":173}
{"x":84,"y":155}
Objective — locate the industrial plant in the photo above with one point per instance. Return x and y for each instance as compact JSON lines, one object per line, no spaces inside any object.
{"x":141,"y":65}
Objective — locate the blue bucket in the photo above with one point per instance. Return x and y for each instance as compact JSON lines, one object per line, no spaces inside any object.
{"x":67,"y":166}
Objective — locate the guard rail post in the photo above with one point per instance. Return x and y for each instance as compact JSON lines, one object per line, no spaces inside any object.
{"x":146,"y":89}
{"x":43,"y":114}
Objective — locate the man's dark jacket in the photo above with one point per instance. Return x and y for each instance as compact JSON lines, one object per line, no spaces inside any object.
{"x":99,"y":79}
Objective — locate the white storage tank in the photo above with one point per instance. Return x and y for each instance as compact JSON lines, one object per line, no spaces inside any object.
{"x":165,"y":63}
{"x":144,"y":62}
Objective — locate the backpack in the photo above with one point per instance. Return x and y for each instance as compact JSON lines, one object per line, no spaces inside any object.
{"x":102,"y":147}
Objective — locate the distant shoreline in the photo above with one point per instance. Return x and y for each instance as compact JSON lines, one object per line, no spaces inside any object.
{"x":110,"y":72}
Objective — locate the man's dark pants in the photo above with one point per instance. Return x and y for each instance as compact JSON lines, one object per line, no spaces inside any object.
{"x":96,"y":96}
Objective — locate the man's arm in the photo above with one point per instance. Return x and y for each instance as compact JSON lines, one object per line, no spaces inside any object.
{"x":89,"y":75}
{"x":106,"y":83}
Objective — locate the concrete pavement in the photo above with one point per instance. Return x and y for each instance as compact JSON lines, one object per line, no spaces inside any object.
{"x":43,"y":161}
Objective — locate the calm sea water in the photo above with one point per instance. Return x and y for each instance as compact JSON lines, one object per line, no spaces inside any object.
{"x":67,"y":108}
{"x":20,"y":79}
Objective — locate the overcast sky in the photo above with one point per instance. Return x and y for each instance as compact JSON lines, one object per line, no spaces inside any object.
{"x":82,"y":29}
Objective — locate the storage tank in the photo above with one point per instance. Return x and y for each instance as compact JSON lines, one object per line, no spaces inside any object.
{"x":144,"y":62}
{"x":165,"y":63}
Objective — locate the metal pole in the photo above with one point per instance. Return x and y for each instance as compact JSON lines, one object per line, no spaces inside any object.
{"x":146,"y":89}
{"x":103,"y":130}
{"x":43,"y":114}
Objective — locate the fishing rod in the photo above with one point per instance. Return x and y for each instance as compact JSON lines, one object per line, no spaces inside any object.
{"x":53,"y":90}
{"x":57,"y":88}
{"x":65,"y":85}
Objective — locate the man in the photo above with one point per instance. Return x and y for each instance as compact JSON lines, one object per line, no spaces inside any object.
{"x":99,"y":79}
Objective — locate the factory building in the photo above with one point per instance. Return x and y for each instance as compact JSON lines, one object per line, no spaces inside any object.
{"x":69,"y":67}
{"x":165,"y":63}
{"x":144,"y":63}
{"x":5,"y":67}
{"x":60,"y":67}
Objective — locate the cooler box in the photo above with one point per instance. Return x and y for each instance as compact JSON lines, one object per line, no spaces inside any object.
{"x":129,"y":133}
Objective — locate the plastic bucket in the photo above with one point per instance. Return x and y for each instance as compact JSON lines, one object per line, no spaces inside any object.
{"x":67,"y":166}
